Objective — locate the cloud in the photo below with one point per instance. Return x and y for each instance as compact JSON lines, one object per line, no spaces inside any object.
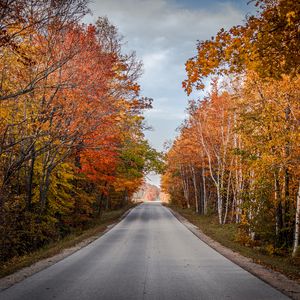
{"x":164,"y":34}
{"x":154,"y":25}
{"x":155,"y":60}
{"x":162,"y":113}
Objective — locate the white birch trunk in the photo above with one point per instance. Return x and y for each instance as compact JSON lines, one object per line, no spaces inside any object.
{"x":297,"y":224}
{"x":204,"y":192}
{"x":195,"y":189}
{"x":185,"y":186}
{"x":251,"y":211}
{"x":227,"y":195}
{"x":216,"y":180}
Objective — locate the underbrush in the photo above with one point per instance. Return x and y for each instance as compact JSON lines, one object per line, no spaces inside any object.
{"x":96,"y":227}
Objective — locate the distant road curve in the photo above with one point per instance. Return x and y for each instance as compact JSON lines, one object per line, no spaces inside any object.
{"x":148,"y":255}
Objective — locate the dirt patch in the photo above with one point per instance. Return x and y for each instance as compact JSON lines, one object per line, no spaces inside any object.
{"x":275,"y":279}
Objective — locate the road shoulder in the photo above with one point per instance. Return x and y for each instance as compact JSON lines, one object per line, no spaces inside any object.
{"x":23,"y":273}
{"x":275,"y":279}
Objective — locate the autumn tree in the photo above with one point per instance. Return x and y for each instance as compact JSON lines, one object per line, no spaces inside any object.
{"x":249,"y":138}
{"x":71,"y":123}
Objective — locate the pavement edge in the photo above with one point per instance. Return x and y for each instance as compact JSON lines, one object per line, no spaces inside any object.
{"x":23,"y":273}
{"x":277,"y":280}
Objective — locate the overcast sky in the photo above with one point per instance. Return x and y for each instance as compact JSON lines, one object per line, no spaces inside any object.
{"x":164,"y":34}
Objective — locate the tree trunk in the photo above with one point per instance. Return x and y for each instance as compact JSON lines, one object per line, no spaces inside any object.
{"x":220,"y":205}
{"x":30,"y":179}
{"x":297,"y":224}
{"x":195,"y":189}
{"x":99,"y":200}
{"x":185,"y":185}
{"x":44,"y":188}
{"x":204,"y":192}
{"x":278,"y":212}
{"x":286,"y":203}
{"x":227,"y":197}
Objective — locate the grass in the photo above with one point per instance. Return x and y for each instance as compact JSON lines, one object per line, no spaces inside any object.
{"x":96,"y":227}
{"x":226,"y":235}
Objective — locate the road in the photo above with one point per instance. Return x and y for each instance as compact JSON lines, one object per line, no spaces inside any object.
{"x":148,"y":255}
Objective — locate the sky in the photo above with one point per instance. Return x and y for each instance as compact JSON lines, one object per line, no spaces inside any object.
{"x":164,"y":33}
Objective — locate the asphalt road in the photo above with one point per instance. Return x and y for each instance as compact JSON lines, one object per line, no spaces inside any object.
{"x":148,"y":255}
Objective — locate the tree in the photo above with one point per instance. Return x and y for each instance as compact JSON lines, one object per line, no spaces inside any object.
{"x":252,"y":156}
{"x":71,"y":122}
{"x":268,"y":44}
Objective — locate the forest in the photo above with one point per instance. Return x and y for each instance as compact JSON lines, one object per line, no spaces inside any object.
{"x":237,"y":154}
{"x":71,"y":122}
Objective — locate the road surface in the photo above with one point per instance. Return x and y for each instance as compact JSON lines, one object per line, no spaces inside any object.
{"x":148,"y":255}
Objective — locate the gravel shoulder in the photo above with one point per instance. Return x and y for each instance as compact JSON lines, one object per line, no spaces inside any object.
{"x":275,"y":279}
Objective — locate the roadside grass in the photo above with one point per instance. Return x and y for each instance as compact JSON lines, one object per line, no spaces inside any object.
{"x":95,"y":228}
{"x":226,"y":235}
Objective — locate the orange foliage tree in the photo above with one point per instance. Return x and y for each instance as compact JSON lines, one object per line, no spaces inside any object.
{"x":71,"y":123}
{"x":245,"y":132}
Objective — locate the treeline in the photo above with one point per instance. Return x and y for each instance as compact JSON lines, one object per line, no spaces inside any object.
{"x":71,"y":124}
{"x":238,"y":152}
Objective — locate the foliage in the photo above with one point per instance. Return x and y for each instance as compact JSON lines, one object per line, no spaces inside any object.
{"x":238,"y":151}
{"x":71,"y":122}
